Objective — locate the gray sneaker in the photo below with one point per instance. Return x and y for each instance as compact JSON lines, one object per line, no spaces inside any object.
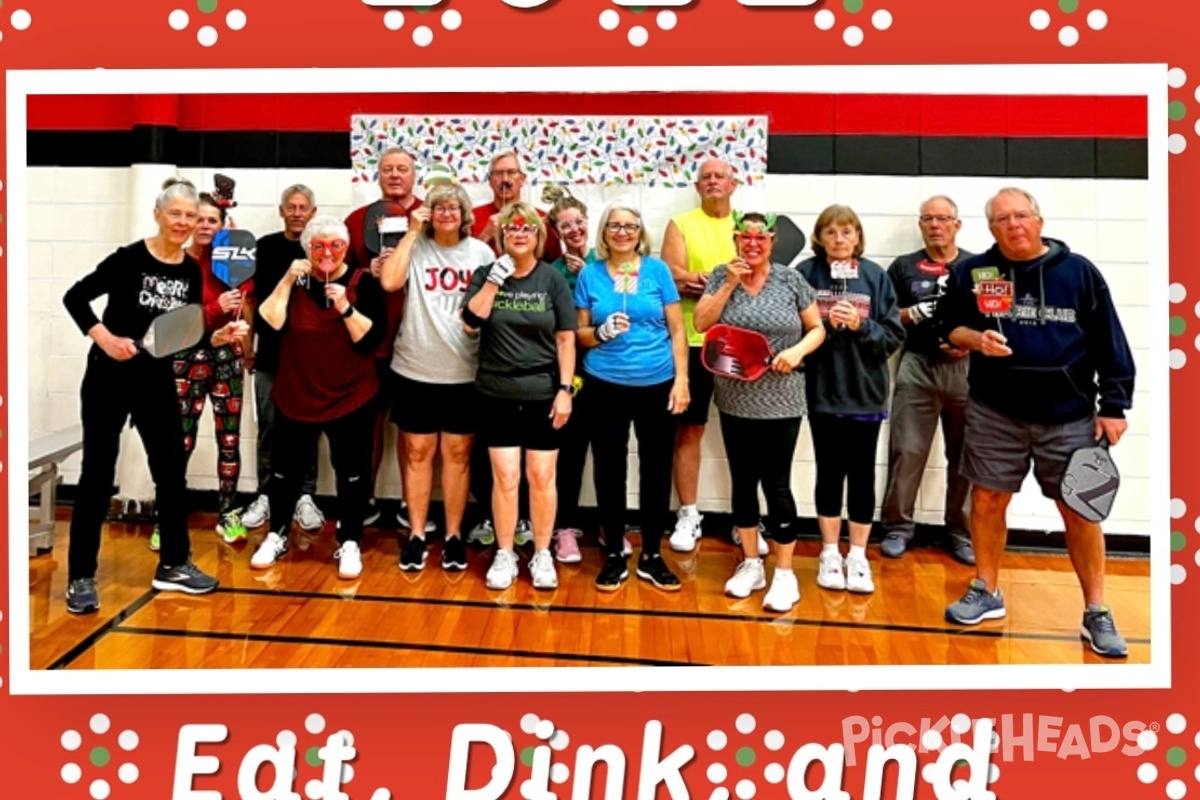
{"x":82,"y":597}
{"x":1100,"y":632}
{"x":976,"y":605}
{"x":962,"y":550}
{"x":893,"y":545}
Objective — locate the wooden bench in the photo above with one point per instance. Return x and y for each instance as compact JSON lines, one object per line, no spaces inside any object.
{"x":46,"y":452}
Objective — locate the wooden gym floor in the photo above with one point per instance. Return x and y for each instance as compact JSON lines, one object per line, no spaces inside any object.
{"x":299,"y":614}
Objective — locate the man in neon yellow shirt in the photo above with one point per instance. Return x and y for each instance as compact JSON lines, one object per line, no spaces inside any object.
{"x":694,"y":243}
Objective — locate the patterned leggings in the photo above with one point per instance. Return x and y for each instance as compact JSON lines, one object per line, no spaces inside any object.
{"x":214,"y":372}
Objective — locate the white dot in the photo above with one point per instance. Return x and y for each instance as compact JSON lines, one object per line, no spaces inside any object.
{"x":207,"y":36}
{"x":1068,"y":689}
{"x":993,"y":772}
{"x":71,"y":740}
{"x":1177,"y":723}
{"x":1198,"y":768}
{"x":609,"y":20}
{"x":236,"y":19}
{"x":716,"y":773}
{"x":960,"y":724}
{"x":1197,"y":92}
{"x":1178,"y":507}
{"x":1,"y":186}
{"x":745,"y":789}
{"x":71,"y":773}
{"x":451,"y":20}
{"x":1040,"y":20}
{"x":544,"y":729}
{"x":824,"y":19}
{"x":1178,"y":574}
{"x":422,"y":36}
{"x":881,"y":20}
{"x":21,"y":19}
{"x":1198,"y":127}
{"x":128,"y":740}
{"x":393,"y":20}
{"x":1176,"y":144}
{"x":1068,"y":36}
{"x":1178,"y":359}
{"x":559,"y":740}
{"x":1147,"y":740}
{"x":178,"y":19}
{"x":666,"y":20}
{"x":1177,"y":292}
{"x":853,"y":36}
{"x":1176,"y":77}
{"x":314,"y":723}
{"x":99,"y":723}
{"x":745,"y":723}
{"x":1198,"y":564}
{"x":1176,"y":789}
{"x":932,"y":740}
{"x":929,"y":772}
{"x":314,"y":790}
{"x":1097,"y":19}
{"x":128,"y":773}
{"x":529,"y":723}
{"x":99,"y":789}
{"x":286,"y":739}
{"x":774,"y":773}
{"x":560,"y":773}
{"x":720,"y":793}
{"x":347,"y":773}
{"x":716,"y":740}
{"x":773,"y":740}
{"x":638,"y":36}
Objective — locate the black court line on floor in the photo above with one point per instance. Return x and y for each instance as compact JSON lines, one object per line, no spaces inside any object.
{"x":382,"y":645}
{"x":88,"y":643}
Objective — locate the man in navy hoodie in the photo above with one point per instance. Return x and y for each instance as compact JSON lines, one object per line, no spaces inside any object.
{"x":1051,"y":371}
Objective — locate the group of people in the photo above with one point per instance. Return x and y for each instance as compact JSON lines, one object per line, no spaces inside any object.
{"x":503,"y":340}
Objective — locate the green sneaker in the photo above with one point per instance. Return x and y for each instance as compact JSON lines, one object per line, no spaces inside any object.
{"x":154,"y":543}
{"x":231,"y":528}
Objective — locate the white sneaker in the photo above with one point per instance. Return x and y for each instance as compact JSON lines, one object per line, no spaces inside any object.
{"x":830,"y":572}
{"x":748,"y":577}
{"x":307,"y":515}
{"x":858,"y":575}
{"x":763,"y":547}
{"x":273,"y":548}
{"x":524,"y":533}
{"x":784,"y":592}
{"x":349,"y":561}
{"x":687,"y":532}
{"x":503,"y":571}
{"x":257,"y":513}
{"x":541,"y":569}
{"x":402,"y":519}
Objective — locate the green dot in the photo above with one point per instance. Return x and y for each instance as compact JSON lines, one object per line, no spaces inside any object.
{"x":1178,"y":540}
{"x":744,"y":756}
{"x":1176,"y":756}
{"x":99,"y":756}
{"x":1068,"y":6}
{"x":206,"y":6}
{"x":312,"y":756}
{"x":637,"y":9}
{"x":852,"y":6}
{"x":527,"y":756}
{"x":423,"y":9}
{"x":1176,"y":110}
{"x":962,"y":762}
{"x":1178,"y":326}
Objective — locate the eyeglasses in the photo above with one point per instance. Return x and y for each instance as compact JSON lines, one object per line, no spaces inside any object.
{"x":516,"y":230}
{"x":1019,"y":217}
{"x":573,"y":224}
{"x":447,"y":211}
{"x":334,"y":246}
{"x":943,"y":219}
{"x":623,"y":227}
{"x":505,"y":173}
{"x":754,"y":238}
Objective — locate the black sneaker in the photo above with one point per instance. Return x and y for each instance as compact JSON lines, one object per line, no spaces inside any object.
{"x":412,"y":557}
{"x":614,"y":572}
{"x":652,"y":568}
{"x":454,"y":554}
{"x":82,"y":597}
{"x":184,"y":578}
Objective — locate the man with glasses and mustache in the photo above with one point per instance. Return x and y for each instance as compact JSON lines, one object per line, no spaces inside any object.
{"x":931,"y":384}
{"x":506,"y":179}
{"x":1051,"y":372}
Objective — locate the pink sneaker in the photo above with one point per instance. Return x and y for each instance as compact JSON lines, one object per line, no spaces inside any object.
{"x":566,"y":550}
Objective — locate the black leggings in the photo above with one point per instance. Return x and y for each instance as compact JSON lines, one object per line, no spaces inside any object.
{"x":610,"y":409}
{"x":351,"y":439}
{"x":844,"y":450}
{"x":112,"y":392}
{"x":760,"y":452}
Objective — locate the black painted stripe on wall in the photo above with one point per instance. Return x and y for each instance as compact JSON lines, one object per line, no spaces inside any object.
{"x":787,"y":154}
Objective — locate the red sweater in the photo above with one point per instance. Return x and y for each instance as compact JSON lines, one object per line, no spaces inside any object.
{"x":360,"y":256}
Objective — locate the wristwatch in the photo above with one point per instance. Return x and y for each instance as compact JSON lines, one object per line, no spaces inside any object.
{"x":569,"y":388}
{"x":348,"y":313}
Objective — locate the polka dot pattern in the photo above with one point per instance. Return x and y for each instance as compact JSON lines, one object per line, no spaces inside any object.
{"x":208,"y":34}
{"x":1067,"y":28}
{"x":855,"y":32}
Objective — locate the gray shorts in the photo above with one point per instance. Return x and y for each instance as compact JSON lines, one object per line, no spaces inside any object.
{"x":997,"y":449}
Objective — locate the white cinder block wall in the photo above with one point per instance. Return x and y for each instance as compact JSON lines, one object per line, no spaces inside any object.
{"x":77,"y":216}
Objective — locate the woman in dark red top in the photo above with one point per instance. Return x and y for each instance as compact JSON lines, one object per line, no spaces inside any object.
{"x":330,"y":320}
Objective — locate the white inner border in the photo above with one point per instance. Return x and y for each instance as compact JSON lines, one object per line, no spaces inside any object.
{"x":1149,"y":80}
